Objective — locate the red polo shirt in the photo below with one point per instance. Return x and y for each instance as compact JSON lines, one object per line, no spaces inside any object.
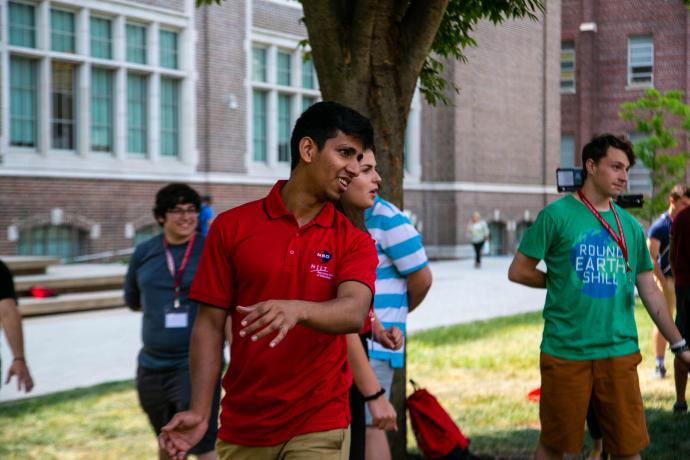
{"x":258,"y":252}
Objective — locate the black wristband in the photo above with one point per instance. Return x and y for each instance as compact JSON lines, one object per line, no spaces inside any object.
{"x":19,"y":358}
{"x":381,"y":392}
{"x":680,"y":349}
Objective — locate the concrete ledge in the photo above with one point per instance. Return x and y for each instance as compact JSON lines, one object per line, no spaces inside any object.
{"x":71,"y":303}
{"x":28,"y":265}
{"x":68,"y":283}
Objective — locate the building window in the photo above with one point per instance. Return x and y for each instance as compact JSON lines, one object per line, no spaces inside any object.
{"x":23,"y":83}
{"x":284,"y":126}
{"x":283,"y":85}
{"x":283,"y":68}
{"x":136,"y":44}
{"x":567,"y":67}
{"x":63,"y":83}
{"x":146,"y":232}
{"x":567,"y":151}
{"x":308,"y":74}
{"x":101,"y":110}
{"x":259,"y":64}
{"x":639,"y":176}
{"x":22,"y":25}
{"x":136,"y":114}
{"x":62,"y":31}
{"x":169,"y":117}
{"x":61,"y":241}
{"x":101,"y":38}
{"x":259,"y":125}
{"x":168,"y":49}
{"x":640,"y":61}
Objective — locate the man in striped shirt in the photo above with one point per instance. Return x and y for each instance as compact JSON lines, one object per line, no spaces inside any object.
{"x":403,"y":279}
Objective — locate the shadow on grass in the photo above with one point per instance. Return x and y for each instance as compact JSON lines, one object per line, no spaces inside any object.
{"x":21,"y":407}
{"x":461,"y":333}
{"x":669,"y":435}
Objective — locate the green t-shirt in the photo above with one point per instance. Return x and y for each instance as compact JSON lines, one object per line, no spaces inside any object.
{"x":589,"y":308}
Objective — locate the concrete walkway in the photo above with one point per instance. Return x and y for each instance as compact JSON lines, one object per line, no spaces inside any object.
{"x":83,"y":349}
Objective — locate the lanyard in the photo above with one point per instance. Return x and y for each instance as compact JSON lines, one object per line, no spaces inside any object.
{"x":177,"y":276}
{"x":620,"y":240}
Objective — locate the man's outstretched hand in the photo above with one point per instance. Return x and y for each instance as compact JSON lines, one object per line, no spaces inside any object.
{"x":182,"y":433}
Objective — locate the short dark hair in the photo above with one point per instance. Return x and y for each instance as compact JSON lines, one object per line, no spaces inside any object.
{"x":173,"y":194}
{"x":323,"y":120}
{"x":678,"y":191}
{"x":599,"y":146}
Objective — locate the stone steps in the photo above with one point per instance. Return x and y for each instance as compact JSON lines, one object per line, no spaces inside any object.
{"x":65,"y":303}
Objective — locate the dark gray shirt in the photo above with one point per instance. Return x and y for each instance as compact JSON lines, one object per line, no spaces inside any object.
{"x":149,"y":286}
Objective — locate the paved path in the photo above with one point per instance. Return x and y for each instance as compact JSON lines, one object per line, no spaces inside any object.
{"x":83,"y":349}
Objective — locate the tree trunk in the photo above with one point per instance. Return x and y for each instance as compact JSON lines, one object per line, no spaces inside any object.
{"x":368,"y":55}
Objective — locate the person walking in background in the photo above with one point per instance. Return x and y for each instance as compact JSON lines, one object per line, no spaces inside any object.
{"x":205,"y":214}
{"x":11,"y":324}
{"x":478,"y":233}
{"x":595,"y":255}
{"x":403,"y":279}
{"x":157,"y":283}
{"x":296,"y":277}
{"x":658,"y":239}
{"x":680,"y":263}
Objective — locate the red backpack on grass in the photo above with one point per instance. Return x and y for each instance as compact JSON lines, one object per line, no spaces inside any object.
{"x":438,"y":437}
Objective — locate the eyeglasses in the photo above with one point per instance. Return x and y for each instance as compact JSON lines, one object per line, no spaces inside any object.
{"x":180,"y":211}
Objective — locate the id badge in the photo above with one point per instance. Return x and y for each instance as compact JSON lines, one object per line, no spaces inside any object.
{"x":175,"y":320}
{"x":176,"y":317}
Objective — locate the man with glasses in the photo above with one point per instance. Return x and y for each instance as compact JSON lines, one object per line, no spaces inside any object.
{"x":157,"y":283}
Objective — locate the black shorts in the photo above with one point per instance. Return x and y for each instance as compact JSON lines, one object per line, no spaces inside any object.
{"x":683,"y":310}
{"x":164,"y":392}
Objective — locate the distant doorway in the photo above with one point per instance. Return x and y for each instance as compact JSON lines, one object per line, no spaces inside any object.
{"x":497,"y":238}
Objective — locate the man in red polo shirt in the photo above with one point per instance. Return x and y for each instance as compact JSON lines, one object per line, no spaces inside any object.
{"x":295,"y":276}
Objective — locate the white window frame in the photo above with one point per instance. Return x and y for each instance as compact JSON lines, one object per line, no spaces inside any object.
{"x":45,"y":160}
{"x":273,"y":42}
{"x":631,"y":46}
{"x":571,"y":137}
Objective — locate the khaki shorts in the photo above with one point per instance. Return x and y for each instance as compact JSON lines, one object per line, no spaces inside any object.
{"x":326,"y":445}
{"x":612,"y":385}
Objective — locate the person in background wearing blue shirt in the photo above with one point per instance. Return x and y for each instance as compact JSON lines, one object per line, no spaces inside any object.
{"x":205,"y":215}
{"x":658,"y":239}
{"x":157,"y":283}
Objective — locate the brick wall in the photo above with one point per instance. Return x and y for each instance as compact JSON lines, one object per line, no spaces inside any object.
{"x":222,"y":64}
{"x":108,"y":203}
{"x":601,"y":59}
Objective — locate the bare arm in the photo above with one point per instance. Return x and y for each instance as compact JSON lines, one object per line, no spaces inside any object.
{"x":11,"y":321}
{"x":418,"y":284}
{"x":653,"y":246}
{"x":342,"y":315}
{"x":523,"y":270}
{"x":186,"y":428}
{"x":365,"y":380}
{"x":655,"y":303}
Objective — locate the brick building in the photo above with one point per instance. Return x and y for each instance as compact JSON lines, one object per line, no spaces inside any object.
{"x":104,"y":101}
{"x":611,"y":51}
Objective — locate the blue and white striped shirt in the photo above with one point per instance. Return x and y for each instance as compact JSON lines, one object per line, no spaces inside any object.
{"x":400,"y":251}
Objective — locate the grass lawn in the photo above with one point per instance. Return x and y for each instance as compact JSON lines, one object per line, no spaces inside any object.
{"x":481,"y":372}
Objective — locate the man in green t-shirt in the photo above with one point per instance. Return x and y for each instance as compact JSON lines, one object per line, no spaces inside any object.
{"x":589,"y":347}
